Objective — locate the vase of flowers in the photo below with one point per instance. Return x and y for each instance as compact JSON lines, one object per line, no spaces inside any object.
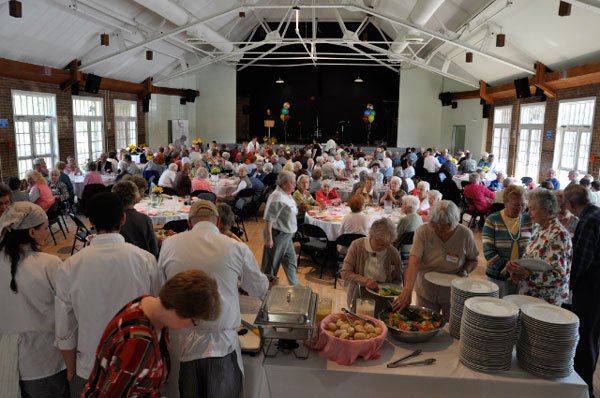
{"x":156,"y":196}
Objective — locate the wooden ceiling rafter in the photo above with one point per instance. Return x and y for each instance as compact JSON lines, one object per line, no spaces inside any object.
{"x":65,"y":78}
{"x":577,"y":76}
{"x":483,"y":93}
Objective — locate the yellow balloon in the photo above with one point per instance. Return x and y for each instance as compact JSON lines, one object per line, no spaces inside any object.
{"x":371,"y":118}
{"x":282,"y":117}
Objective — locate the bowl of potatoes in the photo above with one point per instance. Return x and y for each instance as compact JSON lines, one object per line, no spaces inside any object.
{"x":346,"y":338}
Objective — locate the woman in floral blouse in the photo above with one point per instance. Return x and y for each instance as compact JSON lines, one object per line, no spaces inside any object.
{"x":551,"y":243}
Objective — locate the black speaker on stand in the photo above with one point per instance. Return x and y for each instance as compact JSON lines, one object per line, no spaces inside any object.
{"x":522,"y":88}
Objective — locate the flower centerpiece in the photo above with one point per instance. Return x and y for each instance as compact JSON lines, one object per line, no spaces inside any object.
{"x":197,"y":141}
{"x":132,"y":149}
{"x":265,"y":139}
{"x":149,"y":158}
{"x":156,"y":196}
{"x":215,"y":170}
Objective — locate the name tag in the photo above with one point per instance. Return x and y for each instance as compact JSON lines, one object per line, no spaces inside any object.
{"x":526,"y":234}
{"x":452,"y":258}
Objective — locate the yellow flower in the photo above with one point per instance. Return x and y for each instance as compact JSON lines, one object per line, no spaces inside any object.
{"x":149,"y":157}
{"x":265,"y":138}
{"x":454,"y":160}
{"x":157,"y":190}
{"x":273,"y":140}
{"x":486,"y":169}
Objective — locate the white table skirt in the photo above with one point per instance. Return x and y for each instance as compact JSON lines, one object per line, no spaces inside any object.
{"x":288,"y":377}
{"x":458,"y":178}
{"x":78,"y":186}
{"x":173,"y":208}
{"x":332,"y":228}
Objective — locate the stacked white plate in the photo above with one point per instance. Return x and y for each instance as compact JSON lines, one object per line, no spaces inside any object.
{"x":463,"y":289}
{"x":547,"y":340}
{"x":487,"y":333}
{"x":521,"y":300}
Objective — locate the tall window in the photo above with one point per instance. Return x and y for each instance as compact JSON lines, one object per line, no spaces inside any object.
{"x":501,"y":136}
{"x":89,"y":131}
{"x":573,"y":137}
{"x":35,"y":129}
{"x":529,"y":148}
{"x":125,"y":123}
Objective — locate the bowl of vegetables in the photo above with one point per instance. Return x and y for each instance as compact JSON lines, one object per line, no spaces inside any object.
{"x":413,"y":324}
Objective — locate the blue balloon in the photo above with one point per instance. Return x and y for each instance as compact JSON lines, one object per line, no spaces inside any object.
{"x":367,"y":112}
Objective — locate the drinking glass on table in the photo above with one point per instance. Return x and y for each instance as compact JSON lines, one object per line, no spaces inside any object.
{"x":365,"y":307}
{"x":323,"y":308}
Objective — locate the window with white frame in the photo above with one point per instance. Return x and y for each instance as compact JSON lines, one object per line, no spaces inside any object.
{"x":35,"y":129}
{"x":573,"y":137}
{"x":125,"y":123}
{"x":501,"y":137}
{"x":88,"y":117}
{"x":529,"y":146}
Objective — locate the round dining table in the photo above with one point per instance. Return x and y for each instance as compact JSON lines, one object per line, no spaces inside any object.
{"x":223,"y":186}
{"x":171,"y":208}
{"x":459,"y":178}
{"x":77,"y":181}
{"x":330,"y":218}
{"x":344,"y":188}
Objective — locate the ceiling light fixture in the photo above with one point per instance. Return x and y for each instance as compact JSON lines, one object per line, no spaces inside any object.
{"x":279,"y":81}
{"x":297,"y":11}
{"x":149,"y":55}
{"x":469,"y":57}
{"x":564,"y":9}
{"x":500,"y":40}
{"x":358,"y":80}
{"x":104,"y":39}
{"x":15,"y":9}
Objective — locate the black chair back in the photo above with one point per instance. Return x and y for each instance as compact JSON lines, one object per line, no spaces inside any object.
{"x":89,"y":191}
{"x":406,"y":239}
{"x":151,"y":176}
{"x":169,"y":191}
{"x":347,"y":239}
{"x":176,"y":226}
{"x":496,"y":207}
{"x":206,"y":195}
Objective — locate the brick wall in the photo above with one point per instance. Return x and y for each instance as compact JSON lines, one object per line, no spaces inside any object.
{"x":550,"y":123}
{"x":64,"y":110}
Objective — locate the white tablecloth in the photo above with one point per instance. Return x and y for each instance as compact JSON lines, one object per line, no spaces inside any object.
{"x":317,"y":377}
{"x":78,"y":183}
{"x":330,"y":219}
{"x":223,"y":186}
{"x":168,"y":210}
{"x":458,"y":178}
{"x":344,"y":188}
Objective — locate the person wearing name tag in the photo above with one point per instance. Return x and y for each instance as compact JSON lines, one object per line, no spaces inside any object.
{"x":551,"y":242}
{"x":442,"y":245}
{"x":505,"y":236}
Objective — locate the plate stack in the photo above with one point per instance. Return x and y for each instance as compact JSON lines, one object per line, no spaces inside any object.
{"x":521,"y":300}
{"x":463,"y":289}
{"x":487,"y":334}
{"x":547,"y":341}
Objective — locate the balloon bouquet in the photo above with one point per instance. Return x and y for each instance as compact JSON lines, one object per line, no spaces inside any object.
{"x":285,"y":117}
{"x":368,"y":119}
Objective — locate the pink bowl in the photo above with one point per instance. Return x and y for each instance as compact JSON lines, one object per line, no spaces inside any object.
{"x":345,"y":352}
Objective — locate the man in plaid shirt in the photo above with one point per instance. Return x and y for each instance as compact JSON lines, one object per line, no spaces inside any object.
{"x":585,"y":276}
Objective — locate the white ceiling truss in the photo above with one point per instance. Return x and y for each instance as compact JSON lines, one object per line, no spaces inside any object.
{"x":188,"y":35}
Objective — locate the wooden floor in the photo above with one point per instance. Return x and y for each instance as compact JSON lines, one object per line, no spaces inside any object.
{"x":308,"y":274}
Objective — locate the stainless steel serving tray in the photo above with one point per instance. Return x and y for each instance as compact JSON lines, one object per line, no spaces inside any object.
{"x":286,"y":305}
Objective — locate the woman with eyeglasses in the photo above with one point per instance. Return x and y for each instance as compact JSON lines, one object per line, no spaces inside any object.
{"x":132,"y":358}
{"x":505,"y":236}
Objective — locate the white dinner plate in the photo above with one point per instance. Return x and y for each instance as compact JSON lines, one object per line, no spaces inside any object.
{"x":440,"y":279}
{"x":475,"y":286}
{"x":533,"y":264}
{"x":521,"y":300}
{"x":550,"y":313}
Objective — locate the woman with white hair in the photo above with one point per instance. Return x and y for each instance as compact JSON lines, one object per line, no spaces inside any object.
{"x":480,"y":196}
{"x":243,"y":183}
{"x":39,"y":192}
{"x":168,"y":176}
{"x":551,"y":243}
{"x":423,"y":195}
{"x":483,"y":162}
{"x":394,"y":193}
{"x":280,"y":227}
{"x":360,"y":166}
{"x":433,"y":197}
{"x":409,"y":223}
{"x":372,"y":260}
{"x":327,"y":195}
{"x":302,"y":196}
{"x":200,"y":182}
{"x":441,"y":245}
{"x":386,"y":167}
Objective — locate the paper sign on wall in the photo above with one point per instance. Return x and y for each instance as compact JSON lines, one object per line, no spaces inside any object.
{"x":3,"y":123}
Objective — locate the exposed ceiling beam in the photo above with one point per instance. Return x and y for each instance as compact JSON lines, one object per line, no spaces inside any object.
{"x":573,"y":77}
{"x":160,"y":37}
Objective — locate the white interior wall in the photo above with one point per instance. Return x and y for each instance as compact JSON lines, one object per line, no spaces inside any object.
{"x":211,"y":116}
{"x":419,"y":110}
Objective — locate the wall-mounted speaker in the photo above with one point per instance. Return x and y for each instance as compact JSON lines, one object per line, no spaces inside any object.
{"x":446,"y":98}
{"x":182,"y":101}
{"x":146,"y":103}
{"x":454,"y":105}
{"x":485,"y":111}
{"x":92,"y":83}
{"x":522,"y":88}
{"x":75,"y":89}
{"x":190,"y":95}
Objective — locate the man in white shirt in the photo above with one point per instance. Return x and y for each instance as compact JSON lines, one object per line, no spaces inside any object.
{"x":211,"y":362}
{"x":253,"y":146}
{"x":431,"y":163}
{"x":94,"y":284}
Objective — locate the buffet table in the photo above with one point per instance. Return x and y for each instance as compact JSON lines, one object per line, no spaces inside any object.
{"x":289,"y":377}
{"x":77,"y":181}
{"x":330,"y":219}
{"x":172,"y":208}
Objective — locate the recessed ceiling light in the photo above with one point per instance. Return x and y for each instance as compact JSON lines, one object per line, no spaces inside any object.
{"x":279,"y":81}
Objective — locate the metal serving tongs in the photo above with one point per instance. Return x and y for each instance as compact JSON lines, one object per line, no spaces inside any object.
{"x":398,"y":363}
{"x":347,"y":312}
